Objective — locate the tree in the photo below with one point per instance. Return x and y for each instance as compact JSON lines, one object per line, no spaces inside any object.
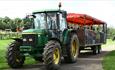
{"x":111,"y":32}
{"x":27,"y":23}
{"x":5,"y":23}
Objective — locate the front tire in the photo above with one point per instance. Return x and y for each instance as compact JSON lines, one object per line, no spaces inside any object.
{"x":14,"y":58}
{"x":72,"y":49}
{"x":52,"y":55}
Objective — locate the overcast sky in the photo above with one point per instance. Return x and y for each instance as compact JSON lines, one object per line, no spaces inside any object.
{"x":101,"y":9}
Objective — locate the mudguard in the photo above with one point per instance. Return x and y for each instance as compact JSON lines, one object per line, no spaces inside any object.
{"x":66,"y":34}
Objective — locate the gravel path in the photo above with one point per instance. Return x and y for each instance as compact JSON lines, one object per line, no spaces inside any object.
{"x":86,"y":61}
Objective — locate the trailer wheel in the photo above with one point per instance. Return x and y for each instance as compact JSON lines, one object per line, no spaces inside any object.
{"x":52,"y":55}
{"x":72,"y":49}
{"x":14,"y":58}
{"x":99,"y":49}
{"x":96,"y":49}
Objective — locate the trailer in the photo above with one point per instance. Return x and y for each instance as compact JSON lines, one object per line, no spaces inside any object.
{"x":91,"y":32}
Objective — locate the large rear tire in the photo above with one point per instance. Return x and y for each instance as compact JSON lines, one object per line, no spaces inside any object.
{"x":72,"y":49}
{"x":14,"y":58}
{"x":52,"y":55}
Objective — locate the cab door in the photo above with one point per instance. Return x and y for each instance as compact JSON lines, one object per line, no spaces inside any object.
{"x":62,"y":24}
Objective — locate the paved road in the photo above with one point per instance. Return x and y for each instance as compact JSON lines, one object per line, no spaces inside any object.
{"x":86,"y":61}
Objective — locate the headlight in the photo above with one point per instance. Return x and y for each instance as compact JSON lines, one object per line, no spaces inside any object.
{"x":30,"y":39}
{"x":38,"y":35}
{"x":24,"y":39}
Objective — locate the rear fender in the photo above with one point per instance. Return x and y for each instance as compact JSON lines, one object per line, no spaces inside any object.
{"x":55,"y":39}
{"x":66,"y":34}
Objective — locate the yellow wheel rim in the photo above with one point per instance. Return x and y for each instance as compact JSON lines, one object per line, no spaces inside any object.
{"x":74,"y":49}
{"x":56,"y":56}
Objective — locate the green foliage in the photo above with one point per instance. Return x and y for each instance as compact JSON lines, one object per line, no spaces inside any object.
{"x":27,"y":23}
{"x":7,"y":23}
{"x":111,"y":32}
{"x":109,"y":42}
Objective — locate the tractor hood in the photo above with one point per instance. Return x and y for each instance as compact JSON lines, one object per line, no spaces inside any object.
{"x":35,"y":31}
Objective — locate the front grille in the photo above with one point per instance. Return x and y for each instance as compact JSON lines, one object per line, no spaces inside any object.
{"x":29,"y":36}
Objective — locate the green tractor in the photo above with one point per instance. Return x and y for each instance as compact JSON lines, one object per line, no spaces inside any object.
{"x":47,"y":40}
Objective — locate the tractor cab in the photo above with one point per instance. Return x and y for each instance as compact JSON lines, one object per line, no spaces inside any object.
{"x":53,"y":19}
{"x":47,"y":22}
{"x":46,"y":25}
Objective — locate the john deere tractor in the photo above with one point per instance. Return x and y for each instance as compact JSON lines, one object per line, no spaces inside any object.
{"x":47,"y":40}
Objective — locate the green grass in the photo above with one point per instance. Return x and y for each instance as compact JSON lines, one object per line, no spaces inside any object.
{"x":109,"y":61}
{"x":3,"y":49}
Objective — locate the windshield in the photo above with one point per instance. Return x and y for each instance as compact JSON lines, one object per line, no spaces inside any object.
{"x":40,"y":21}
{"x":44,"y":20}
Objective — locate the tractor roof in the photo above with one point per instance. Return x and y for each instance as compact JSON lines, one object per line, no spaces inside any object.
{"x":47,"y":10}
{"x":83,"y":19}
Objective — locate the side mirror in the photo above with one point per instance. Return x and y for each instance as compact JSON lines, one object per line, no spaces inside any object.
{"x":30,"y":16}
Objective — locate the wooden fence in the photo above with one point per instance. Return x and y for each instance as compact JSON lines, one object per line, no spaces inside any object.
{"x":9,"y":35}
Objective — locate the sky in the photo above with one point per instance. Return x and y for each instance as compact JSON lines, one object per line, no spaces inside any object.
{"x":100,"y":9}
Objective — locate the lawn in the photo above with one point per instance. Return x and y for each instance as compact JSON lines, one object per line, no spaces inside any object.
{"x":109,"y":61}
{"x":3,"y":49}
